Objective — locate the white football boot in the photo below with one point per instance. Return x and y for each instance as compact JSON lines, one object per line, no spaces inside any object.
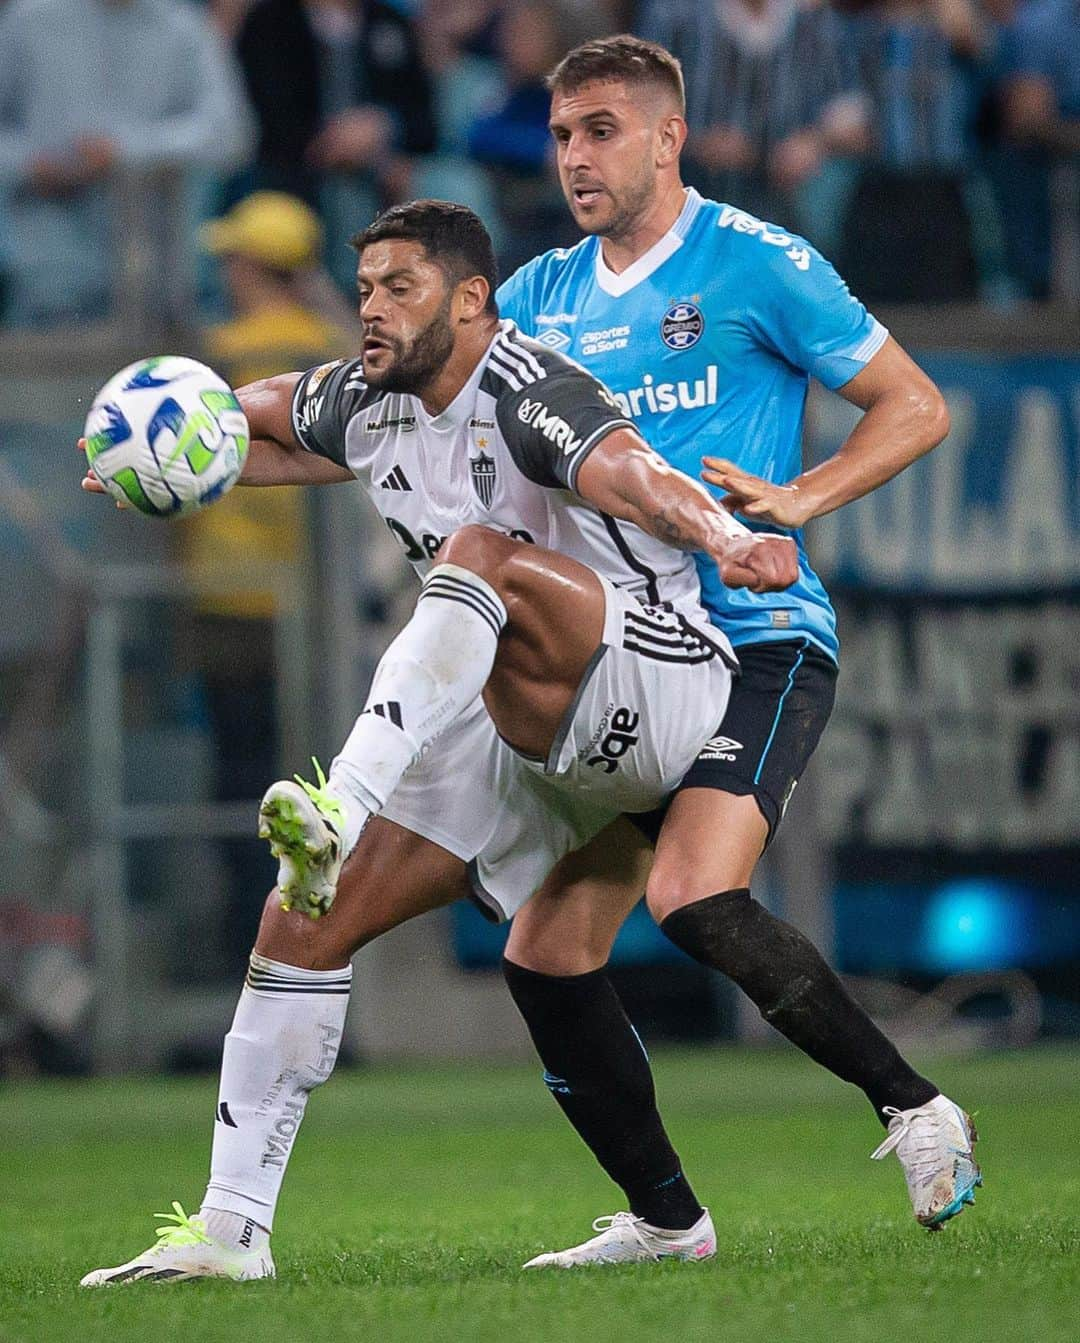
{"x":304,"y":823}
{"x":626,"y":1239}
{"x":183,"y":1251}
{"x":934,"y":1143}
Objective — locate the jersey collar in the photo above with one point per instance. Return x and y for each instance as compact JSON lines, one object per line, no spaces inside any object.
{"x":653,"y":259}
{"x":462,"y":408}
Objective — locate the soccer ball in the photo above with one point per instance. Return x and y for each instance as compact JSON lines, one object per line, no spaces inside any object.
{"x":166,"y":435}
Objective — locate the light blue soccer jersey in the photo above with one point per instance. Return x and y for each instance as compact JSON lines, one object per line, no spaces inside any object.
{"x":708,"y":341}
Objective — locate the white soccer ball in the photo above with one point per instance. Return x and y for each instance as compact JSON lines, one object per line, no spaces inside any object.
{"x":166,"y":435}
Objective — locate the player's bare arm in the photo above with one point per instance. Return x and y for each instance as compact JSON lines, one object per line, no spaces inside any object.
{"x":275,"y":456}
{"x":905,"y":417}
{"x":623,"y":477}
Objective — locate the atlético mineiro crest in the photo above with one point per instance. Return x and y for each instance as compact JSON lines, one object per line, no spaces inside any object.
{"x":483,"y":477}
{"x":682,"y":326}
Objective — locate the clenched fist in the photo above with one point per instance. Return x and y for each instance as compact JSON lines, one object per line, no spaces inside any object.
{"x":761,"y":562}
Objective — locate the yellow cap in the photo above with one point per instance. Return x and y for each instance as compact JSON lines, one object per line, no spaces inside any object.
{"x":267,"y":226}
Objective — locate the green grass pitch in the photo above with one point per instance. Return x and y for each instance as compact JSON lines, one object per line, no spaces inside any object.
{"x":415,"y":1194}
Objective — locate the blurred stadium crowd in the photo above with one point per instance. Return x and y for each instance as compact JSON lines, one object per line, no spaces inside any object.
{"x":184,"y":175}
{"x":929,"y":147}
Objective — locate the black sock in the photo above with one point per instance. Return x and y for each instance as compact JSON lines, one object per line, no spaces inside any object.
{"x":786,"y":977}
{"x":596,"y":1068}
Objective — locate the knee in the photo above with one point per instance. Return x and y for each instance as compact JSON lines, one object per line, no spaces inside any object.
{"x":715,"y":929}
{"x":479,"y":549}
{"x":555,"y":957}
{"x":671,"y":888}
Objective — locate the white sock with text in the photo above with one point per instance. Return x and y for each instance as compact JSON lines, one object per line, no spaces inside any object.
{"x":284,"y":1042}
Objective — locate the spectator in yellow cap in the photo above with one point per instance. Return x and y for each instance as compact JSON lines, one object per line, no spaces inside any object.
{"x":286,"y":311}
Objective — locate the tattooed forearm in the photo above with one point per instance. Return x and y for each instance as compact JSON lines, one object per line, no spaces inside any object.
{"x":666,"y":525}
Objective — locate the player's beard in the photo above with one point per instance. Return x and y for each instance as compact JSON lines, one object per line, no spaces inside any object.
{"x":416,"y":364}
{"x":626,"y":210}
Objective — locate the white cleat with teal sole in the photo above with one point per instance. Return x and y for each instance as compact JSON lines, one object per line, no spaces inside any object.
{"x":185,"y":1251}
{"x":626,"y":1239}
{"x":935,"y":1145}
{"x":304,"y":823}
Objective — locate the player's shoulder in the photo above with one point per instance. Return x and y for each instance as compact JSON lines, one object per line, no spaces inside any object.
{"x":516,"y":362}
{"x":758,"y":246}
{"x":336,"y":387}
{"x":540,"y":275}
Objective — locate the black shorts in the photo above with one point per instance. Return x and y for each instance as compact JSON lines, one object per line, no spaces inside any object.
{"x":778,"y":709}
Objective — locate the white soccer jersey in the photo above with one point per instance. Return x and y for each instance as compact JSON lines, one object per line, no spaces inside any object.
{"x":504,"y":454}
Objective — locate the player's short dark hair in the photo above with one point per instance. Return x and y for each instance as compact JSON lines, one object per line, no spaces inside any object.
{"x":453,"y":237}
{"x":631,"y":59}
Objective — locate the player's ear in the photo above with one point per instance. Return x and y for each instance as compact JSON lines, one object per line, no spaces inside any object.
{"x":670,"y":138}
{"x":471,"y":298}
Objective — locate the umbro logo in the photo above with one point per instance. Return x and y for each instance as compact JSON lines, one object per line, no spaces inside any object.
{"x":720,"y":748}
{"x":396,"y":480}
{"x":554,"y":339}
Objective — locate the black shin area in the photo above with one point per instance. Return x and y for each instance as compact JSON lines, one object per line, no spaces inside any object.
{"x":786,"y":977}
{"x":597,"y":1070}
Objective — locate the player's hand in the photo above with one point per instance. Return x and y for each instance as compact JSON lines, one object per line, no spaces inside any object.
{"x":90,"y":482}
{"x":753,"y":497}
{"x":760,"y":562}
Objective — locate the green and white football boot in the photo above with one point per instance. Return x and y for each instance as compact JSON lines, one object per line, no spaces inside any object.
{"x":184,"y":1250}
{"x":304,"y":823}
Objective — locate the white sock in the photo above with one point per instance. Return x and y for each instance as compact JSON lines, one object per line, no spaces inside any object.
{"x":283,"y":1042}
{"x":234,"y":1229}
{"x":429,"y":675}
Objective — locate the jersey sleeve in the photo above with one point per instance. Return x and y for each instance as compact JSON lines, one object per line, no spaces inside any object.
{"x":514,"y":297}
{"x":805,"y":312}
{"x":552,"y":424}
{"x":325,"y":400}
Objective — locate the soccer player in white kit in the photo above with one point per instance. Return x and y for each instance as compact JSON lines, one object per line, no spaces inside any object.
{"x":530,"y":700}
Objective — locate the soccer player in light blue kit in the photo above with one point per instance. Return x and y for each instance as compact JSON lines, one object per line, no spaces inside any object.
{"x":706,"y":324}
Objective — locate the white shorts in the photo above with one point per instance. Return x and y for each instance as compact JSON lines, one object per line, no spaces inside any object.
{"x":655,"y":691}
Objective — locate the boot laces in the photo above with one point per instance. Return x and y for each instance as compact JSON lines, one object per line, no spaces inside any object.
{"x":612,"y":1221}
{"x":328,"y":805}
{"x":922,"y":1155}
{"x":184,"y":1231}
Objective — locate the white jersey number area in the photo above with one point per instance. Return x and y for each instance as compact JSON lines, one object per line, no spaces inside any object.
{"x":504,"y":454}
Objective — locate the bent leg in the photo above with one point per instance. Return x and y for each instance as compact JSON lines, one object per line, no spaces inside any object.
{"x":497,"y":616}
{"x":699,"y":893}
{"x":594,"y":1062}
{"x":287,"y":1029}
{"x":555,"y":610}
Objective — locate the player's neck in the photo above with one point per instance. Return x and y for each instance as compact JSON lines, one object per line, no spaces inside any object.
{"x":468,"y":350}
{"x":646,"y":230}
